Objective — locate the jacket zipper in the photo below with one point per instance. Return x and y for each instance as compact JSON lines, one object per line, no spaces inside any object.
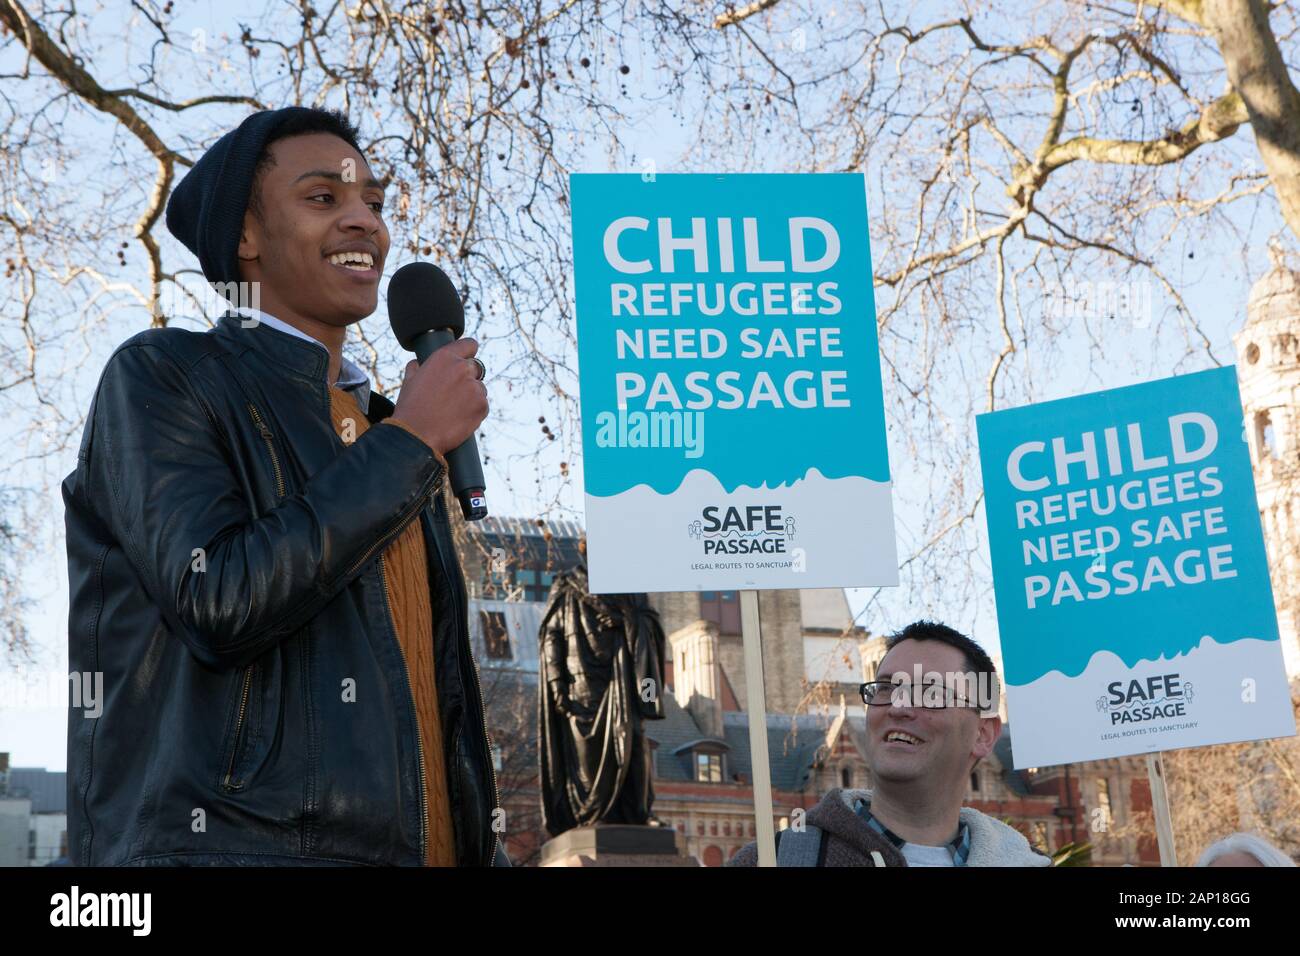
{"x":420,"y":502}
{"x":419,"y":737}
{"x":416,"y":505}
{"x":248,"y":671}
{"x":270,"y":447}
{"x":492,"y":770}
{"x":239,"y":725}
{"x":487,"y":741}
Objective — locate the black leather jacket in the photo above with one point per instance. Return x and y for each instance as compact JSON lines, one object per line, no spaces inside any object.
{"x":223,"y":547}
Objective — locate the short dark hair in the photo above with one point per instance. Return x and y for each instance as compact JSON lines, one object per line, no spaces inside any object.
{"x":974,"y":657}
{"x":316,"y":120}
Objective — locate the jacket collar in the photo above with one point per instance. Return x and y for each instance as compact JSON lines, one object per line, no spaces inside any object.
{"x":351,"y":377}
{"x":301,"y":358}
{"x":992,"y":842}
{"x":958,"y":846}
{"x":834,"y":815}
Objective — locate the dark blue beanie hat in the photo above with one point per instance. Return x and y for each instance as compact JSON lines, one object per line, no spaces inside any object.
{"x":206,"y":209}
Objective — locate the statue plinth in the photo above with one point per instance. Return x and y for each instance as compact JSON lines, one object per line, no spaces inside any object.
{"x":613,"y":844}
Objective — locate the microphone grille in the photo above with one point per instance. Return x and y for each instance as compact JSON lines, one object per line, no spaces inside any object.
{"x":422,"y":297}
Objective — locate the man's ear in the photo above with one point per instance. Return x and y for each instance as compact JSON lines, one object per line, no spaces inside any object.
{"x":250,"y":236}
{"x":990,"y":728}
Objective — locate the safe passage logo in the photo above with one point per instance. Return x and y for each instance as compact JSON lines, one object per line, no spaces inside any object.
{"x":1137,"y":701}
{"x":729,"y":369}
{"x":756,"y":529}
{"x":1130,"y":573}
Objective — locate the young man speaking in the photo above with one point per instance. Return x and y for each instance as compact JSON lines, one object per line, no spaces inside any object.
{"x":262,"y":572}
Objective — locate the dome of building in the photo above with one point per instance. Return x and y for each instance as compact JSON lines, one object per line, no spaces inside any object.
{"x":1276,"y":295}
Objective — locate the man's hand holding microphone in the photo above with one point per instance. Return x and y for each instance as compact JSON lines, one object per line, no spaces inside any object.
{"x":443,"y":401}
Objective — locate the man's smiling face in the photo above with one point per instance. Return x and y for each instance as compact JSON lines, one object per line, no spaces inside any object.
{"x":314,"y":236}
{"x":909,"y":744}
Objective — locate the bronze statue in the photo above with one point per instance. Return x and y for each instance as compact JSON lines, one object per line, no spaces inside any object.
{"x":601,"y":672}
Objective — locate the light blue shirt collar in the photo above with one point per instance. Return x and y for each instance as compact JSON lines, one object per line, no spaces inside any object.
{"x":351,"y":378}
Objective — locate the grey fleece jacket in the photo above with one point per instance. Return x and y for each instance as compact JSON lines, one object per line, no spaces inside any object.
{"x":850,"y":842}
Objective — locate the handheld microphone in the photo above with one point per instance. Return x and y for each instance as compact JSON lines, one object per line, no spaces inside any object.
{"x":426,"y":313}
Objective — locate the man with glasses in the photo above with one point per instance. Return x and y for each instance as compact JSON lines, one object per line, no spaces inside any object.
{"x":932,"y":715}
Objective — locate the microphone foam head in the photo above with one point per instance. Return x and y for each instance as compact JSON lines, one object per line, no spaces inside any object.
{"x":422,"y":297}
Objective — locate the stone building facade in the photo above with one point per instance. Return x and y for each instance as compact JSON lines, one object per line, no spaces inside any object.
{"x":1268,"y":371}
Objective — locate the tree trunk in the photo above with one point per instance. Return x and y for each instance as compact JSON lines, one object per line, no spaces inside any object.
{"x":1257,"y":72}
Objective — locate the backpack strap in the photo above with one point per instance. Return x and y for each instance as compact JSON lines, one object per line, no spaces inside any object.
{"x":799,"y":847}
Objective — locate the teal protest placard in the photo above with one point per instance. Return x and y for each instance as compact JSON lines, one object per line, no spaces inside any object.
{"x":1132,"y":586}
{"x":732,"y":415}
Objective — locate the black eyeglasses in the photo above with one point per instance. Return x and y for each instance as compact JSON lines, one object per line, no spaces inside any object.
{"x":932,"y":696}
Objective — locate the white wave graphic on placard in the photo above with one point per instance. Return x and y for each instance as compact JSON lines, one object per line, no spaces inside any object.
{"x":1109,"y":660}
{"x":701,"y":480}
{"x":842,"y":528}
{"x":1231,"y":692}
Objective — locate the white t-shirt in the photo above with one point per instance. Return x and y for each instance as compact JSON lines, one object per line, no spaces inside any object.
{"x":918,"y":854}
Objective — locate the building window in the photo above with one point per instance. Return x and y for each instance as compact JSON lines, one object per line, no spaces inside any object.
{"x":846,"y":777}
{"x":496,"y":757}
{"x":723,"y":609}
{"x":536,"y":583}
{"x":708,"y":768}
{"x":507,"y":579}
{"x":496,"y":639}
{"x":1265,"y":440}
{"x":1103,"y":799}
{"x":974,"y":782}
{"x":526,"y":578}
